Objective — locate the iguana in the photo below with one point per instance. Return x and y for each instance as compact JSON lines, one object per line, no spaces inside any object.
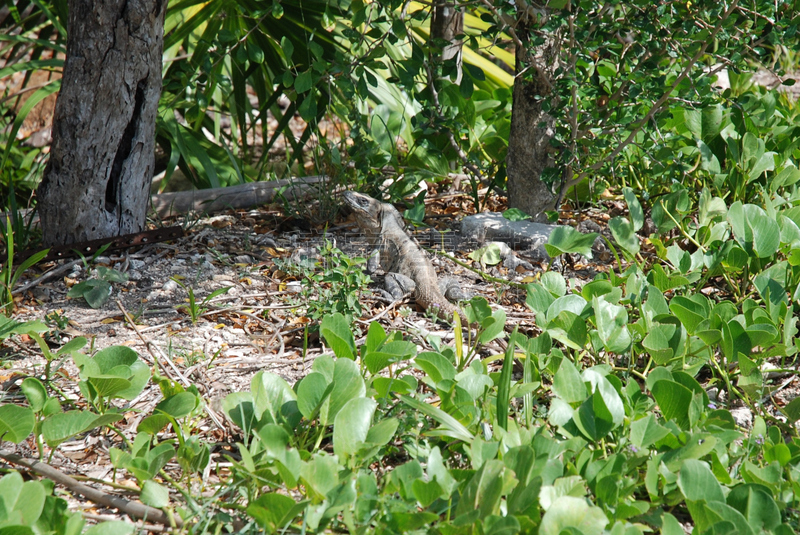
{"x":407,"y":267}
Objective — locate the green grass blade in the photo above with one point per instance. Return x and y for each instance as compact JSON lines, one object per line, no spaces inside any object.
{"x":450,"y":426}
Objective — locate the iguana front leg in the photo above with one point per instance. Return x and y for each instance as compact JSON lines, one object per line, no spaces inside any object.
{"x":374,"y":261}
{"x":452,"y":290}
{"x":399,"y":285}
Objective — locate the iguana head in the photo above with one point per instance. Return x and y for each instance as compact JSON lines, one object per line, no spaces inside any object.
{"x":368,"y":210}
{"x":373,"y":216}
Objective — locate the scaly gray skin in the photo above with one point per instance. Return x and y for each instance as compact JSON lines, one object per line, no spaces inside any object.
{"x":407,"y":267}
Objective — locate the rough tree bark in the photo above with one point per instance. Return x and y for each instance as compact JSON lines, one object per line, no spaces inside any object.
{"x":96,"y":184}
{"x":446,"y":24}
{"x":531,"y":126}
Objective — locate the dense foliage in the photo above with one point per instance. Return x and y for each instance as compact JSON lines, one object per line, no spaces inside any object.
{"x":237,"y":73}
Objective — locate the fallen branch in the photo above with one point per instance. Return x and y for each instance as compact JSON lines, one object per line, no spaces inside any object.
{"x":133,"y":509}
{"x":220,"y":199}
{"x":208,"y":201}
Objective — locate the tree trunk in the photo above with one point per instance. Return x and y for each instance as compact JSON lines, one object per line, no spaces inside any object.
{"x":96,"y":184}
{"x":447,"y":23}
{"x":531,"y":126}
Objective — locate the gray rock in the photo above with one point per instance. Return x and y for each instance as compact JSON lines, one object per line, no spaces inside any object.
{"x":519,"y":235}
{"x":169,"y":286}
{"x":41,"y":294}
{"x":265,"y":240}
{"x":743,"y":417}
{"x":294,"y":287}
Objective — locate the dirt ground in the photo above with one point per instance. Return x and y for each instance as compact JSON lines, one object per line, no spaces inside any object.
{"x":258,"y":324}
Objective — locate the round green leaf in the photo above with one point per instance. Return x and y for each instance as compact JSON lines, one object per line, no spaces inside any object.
{"x":569,"y":512}
{"x":426,"y":492}
{"x":612,"y":325}
{"x":568,"y":384}
{"x":179,"y":405}
{"x":347,"y":384}
{"x":435,"y":365}
{"x":311,"y":391}
{"x":624,"y":234}
{"x":756,"y":504}
{"x":114,"y":527}
{"x":697,"y":482}
{"x":569,"y":329}
{"x":593,"y":417}
{"x":154,"y":495}
{"x":273,"y":511}
{"x":36,"y":393}
{"x":59,"y":427}
{"x":336,"y":332}
{"x":270,"y":393}
{"x":351,"y":426}
{"x":647,"y":431}
{"x":111,"y":357}
{"x":565,"y":239}
{"x":673,"y":399}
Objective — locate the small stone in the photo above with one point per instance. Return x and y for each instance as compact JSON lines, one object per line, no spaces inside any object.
{"x":293,"y":286}
{"x":208,"y":269}
{"x":266,"y":241}
{"x":743,"y":417}
{"x":169,"y":286}
{"x":41,"y":294}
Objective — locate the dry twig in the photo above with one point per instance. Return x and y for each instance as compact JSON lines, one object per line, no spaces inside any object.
{"x":135,"y":510}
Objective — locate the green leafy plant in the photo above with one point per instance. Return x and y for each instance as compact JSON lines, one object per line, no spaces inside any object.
{"x":601,"y":458}
{"x":195,"y":309}
{"x":96,"y":291}
{"x":331,"y":285}
{"x":564,"y":239}
{"x":56,"y":320}
{"x":31,"y":506}
{"x":597,"y":421}
{"x":114,"y":372}
{"x":10,"y":276}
